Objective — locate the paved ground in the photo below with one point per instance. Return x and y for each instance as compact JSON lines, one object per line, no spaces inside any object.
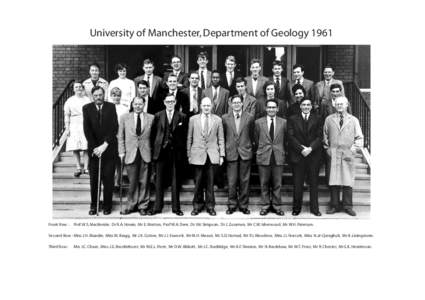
{"x":79,"y":211}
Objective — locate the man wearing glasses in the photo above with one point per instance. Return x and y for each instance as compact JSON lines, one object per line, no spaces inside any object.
{"x":182,"y":77}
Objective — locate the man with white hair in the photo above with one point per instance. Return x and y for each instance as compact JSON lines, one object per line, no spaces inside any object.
{"x":205,"y":150}
{"x":342,"y":138}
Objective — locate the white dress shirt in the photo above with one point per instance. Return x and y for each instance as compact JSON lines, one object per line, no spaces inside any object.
{"x":269,"y":121}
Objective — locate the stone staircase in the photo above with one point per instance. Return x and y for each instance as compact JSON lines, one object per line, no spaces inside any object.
{"x":68,"y":191}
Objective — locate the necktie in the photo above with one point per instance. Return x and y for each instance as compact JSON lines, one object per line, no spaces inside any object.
{"x":277,"y":86}
{"x":215,"y":95}
{"x":271,"y":130}
{"x":206,"y":125}
{"x":202,"y":80}
{"x":341,"y":120}
{"x":150,"y":86}
{"x":99,"y":114}
{"x":195,"y":101}
{"x":139,"y":125}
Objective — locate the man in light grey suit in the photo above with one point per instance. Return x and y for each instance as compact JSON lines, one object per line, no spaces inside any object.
{"x":248,"y":101}
{"x":269,"y":137}
{"x":135,"y":148}
{"x":322,"y":92}
{"x":205,"y":150}
{"x":238,"y":128}
{"x":218,"y":94}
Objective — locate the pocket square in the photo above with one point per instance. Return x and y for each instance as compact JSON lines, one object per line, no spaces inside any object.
{"x":181,"y":123}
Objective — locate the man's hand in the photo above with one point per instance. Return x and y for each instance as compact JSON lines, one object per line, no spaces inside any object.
{"x":306,"y":151}
{"x":98,"y":151}
{"x":221,"y":160}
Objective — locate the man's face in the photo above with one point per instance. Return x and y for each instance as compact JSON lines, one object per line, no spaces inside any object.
{"x":255,"y":69}
{"x":277,"y":70}
{"x":298,"y":74}
{"x":122,"y":73}
{"x":143,"y":90}
{"x":138,"y":105}
{"x":230,"y":65}
{"x":176,"y":64}
{"x":299,"y":95}
{"x":148,"y":69}
{"x":336,"y":92}
{"x":172,"y":83}
{"x":169,"y":103}
{"x":202,"y":62}
{"x":206,"y":106}
{"x":194,"y":79}
{"x":215,"y":79}
{"x":306,"y":106}
{"x":237,"y":104}
{"x":240,"y":87}
{"x":270,"y":91}
{"x":98,"y":97}
{"x":328,"y":73}
{"x":94,"y":72}
{"x":341,"y":105}
{"x":116,"y":98}
{"x":271,"y":109}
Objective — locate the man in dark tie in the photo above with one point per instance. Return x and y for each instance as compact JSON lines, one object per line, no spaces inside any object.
{"x":322,"y":91}
{"x":248,"y":101}
{"x":269,"y":138}
{"x":204,"y":74}
{"x":155,"y":82}
{"x":195,"y":94}
{"x":182,"y":77}
{"x":100,"y":128}
{"x":150,"y":106}
{"x":135,"y":148}
{"x":238,"y":126}
{"x":229,"y":77}
{"x":281,"y":83}
{"x":305,"y":147}
{"x":298,"y":78}
{"x":182,"y":100}
{"x":169,"y":133}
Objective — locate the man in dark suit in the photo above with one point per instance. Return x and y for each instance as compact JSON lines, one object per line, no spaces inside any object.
{"x":305,"y":136}
{"x":135,"y":148}
{"x":195,"y":94}
{"x":205,"y":150}
{"x":150,"y":106}
{"x":255,"y":82}
{"x":228,"y":77}
{"x":169,"y":133}
{"x":217,"y":94}
{"x":203,"y":72}
{"x":322,"y":92}
{"x":298,"y":75}
{"x":182,"y":100}
{"x":327,"y":106}
{"x":269,"y":138}
{"x":182,"y":77}
{"x":281,"y":83}
{"x":100,"y":128}
{"x":155,"y":82}
{"x":238,"y":129}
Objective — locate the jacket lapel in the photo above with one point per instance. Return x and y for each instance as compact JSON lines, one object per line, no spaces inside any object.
{"x":174,"y":120}
{"x":266,"y":129}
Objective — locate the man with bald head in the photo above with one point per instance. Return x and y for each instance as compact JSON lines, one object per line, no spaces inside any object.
{"x":205,"y":150}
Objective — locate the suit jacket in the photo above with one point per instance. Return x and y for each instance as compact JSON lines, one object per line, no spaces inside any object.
{"x":322,"y":91}
{"x":261,"y":108}
{"x":95,"y":133}
{"x":182,"y":80}
{"x":265,"y":145}
{"x":129,"y":142}
{"x":283,"y":92}
{"x":238,"y":143}
{"x":153,"y":106}
{"x":327,"y":108}
{"x":178,"y":133}
{"x":156,"y":85}
{"x":249,"y":105}
{"x":308,"y":86}
{"x":182,"y":101}
{"x":208,"y":82}
{"x":221,"y":107}
{"x":201,"y":94}
{"x":232,"y":88}
{"x":200,"y":146}
{"x":259,"y":93}
{"x":298,"y":137}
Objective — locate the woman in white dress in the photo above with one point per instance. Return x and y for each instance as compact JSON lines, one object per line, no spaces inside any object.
{"x":76,"y":140}
{"x":127,"y":87}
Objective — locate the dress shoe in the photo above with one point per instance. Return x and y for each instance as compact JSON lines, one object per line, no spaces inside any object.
{"x":179,"y":213}
{"x":264,"y":212}
{"x":295,"y":213}
{"x":106,"y":212}
{"x":211,"y":212}
{"x":316,"y":213}
{"x":230,"y":211}
{"x":77,"y":173}
{"x":350,"y":212}
{"x":143,"y":212}
{"x":280,"y":212}
{"x":92,"y":212}
{"x":86,"y":172}
{"x":194,"y":212}
{"x":245,"y":211}
{"x":331,"y":211}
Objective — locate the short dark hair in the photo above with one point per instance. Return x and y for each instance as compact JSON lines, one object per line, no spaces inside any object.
{"x":272,"y":100}
{"x":169,"y":95}
{"x":306,"y":99}
{"x":335,"y":86}
{"x":298,"y":66}
{"x":255,"y":60}
{"x":235,"y":96}
{"x":202,"y":54}
{"x":95,"y":88}
{"x":328,"y":66}
{"x":268,"y":82}
{"x":231,"y":58}
{"x":94,"y":64}
{"x":171,"y":75}
{"x":215,"y":71}
{"x":144,"y":82}
{"x":277,"y":63}
{"x":298,"y":87}
{"x":148,"y":61}
{"x":132,"y":101}
{"x":120,"y":66}
{"x":240,"y":79}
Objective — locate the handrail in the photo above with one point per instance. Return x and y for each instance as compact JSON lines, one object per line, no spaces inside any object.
{"x":360,"y":109}
{"x":58,"y":122}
